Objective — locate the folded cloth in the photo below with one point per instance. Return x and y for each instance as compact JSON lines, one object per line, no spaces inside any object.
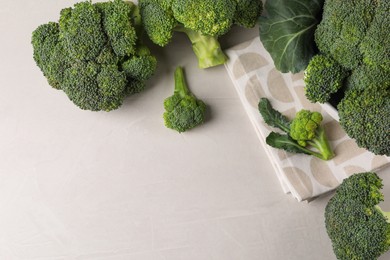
{"x":254,"y":76}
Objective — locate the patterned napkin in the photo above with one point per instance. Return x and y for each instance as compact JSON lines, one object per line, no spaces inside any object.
{"x":305,"y":177}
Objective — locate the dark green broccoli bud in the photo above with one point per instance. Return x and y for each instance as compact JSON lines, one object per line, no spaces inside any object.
{"x":323,"y":77}
{"x":48,"y":53}
{"x":159,"y":23}
{"x":248,"y":12}
{"x":94,"y":87}
{"x":367,"y":75}
{"x":183,"y":110}
{"x":81,"y":31}
{"x":358,"y":228}
{"x":375,"y":45}
{"x":118,"y":26}
{"x":203,"y":21}
{"x":302,"y":133}
{"x":95,"y":54}
{"x":364,"y":115}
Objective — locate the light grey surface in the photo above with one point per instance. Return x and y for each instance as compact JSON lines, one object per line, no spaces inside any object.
{"x":94,"y":185}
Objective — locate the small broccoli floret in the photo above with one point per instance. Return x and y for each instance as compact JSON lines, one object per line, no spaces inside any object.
{"x":203,"y":21}
{"x":94,"y":53}
{"x":364,"y":115}
{"x":302,"y":133}
{"x":323,"y":77}
{"x":183,"y":110}
{"x":306,"y":129}
{"x":356,"y":225}
{"x":248,"y":12}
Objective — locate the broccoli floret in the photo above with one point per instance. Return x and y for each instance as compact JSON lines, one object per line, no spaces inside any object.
{"x":323,"y":77}
{"x":364,"y":115}
{"x":367,"y":75}
{"x":302,"y":133}
{"x":358,"y":228}
{"x":94,"y":53}
{"x":247,"y":12}
{"x":203,"y":21}
{"x":183,"y":110}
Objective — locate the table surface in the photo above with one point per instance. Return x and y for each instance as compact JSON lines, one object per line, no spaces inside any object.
{"x":77,"y":184}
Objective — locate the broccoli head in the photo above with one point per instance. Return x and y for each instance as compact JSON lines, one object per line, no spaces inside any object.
{"x":183,"y":110}
{"x":323,"y":77}
{"x":364,"y":115}
{"x":94,"y":53}
{"x":302,"y":133}
{"x":203,"y":21}
{"x":356,"y":225}
{"x":352,"y":32}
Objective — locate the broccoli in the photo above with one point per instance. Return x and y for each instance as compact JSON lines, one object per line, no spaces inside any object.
{"x":354,"y":44}
{"x":94,"y":53}
{"x":364,"y":115}
{"x":358,"y":228}
{"x":323,"y":77}
{"x":183,"y":110}
{"x":302,"y":133}
{"x":203,"y":21}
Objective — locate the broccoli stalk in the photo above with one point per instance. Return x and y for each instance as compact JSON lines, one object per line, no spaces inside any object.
{"x":203,"y":21}
{"x":183,"y":110}
{"x":206,"y":48}
{"x":356,"y":225}
{"x":302,"y":133}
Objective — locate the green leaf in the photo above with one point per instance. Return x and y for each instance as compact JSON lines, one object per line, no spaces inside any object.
{"x":284,"y":142}
{"x":273,"y":117}
{"x":287,"y":32}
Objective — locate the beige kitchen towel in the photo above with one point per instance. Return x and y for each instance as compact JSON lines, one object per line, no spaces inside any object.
{"x":305,"y":177}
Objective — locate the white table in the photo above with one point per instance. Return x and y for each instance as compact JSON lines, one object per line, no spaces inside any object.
{"x":94,"y":185}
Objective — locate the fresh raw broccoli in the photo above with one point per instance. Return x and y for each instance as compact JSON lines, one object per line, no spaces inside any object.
{"x":302,"y":133}
{"x":355,"y":36}
{"x":323,"y":77}
{"x":183,"y":110}
{"x":353,"y":32}
{"x":365,"y":116}
{"x":94,"y":53}
{"x":358,"y":228}
{"x":203,"y":21}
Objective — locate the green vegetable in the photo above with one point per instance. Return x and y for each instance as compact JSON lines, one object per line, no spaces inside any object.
{"x":203,"y":21}
{"x":183,"y":110}
{"x":287,"y":32}
{"x":323,"y":77}
{"x":94,"y":53}
{"x":354,"y":40}
{"x":303,"y":133}
{"x":358,"y":228}
{"x":365,"y":116}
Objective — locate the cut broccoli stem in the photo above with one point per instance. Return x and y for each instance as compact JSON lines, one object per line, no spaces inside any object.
{"x":181,"y":87}
{"x":321,"y":144}
{"x":206,"y":48}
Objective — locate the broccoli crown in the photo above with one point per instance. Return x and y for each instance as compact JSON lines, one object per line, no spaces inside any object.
{"x":353,"y":32}
{"x":208,"y":17}
{"x":364,"y":115}
{"x":323,"y":77}
{"x":94,"y":54}
{"x":304,"y":126}
{"x":183,"y":110}
{"x":357,"y":227}
{"x":202,"y":20}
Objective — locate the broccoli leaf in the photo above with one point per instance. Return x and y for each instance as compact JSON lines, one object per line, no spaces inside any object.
{"x":287,"y":32}
{"x":285,"y":142}
{"x":273,"y":117}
